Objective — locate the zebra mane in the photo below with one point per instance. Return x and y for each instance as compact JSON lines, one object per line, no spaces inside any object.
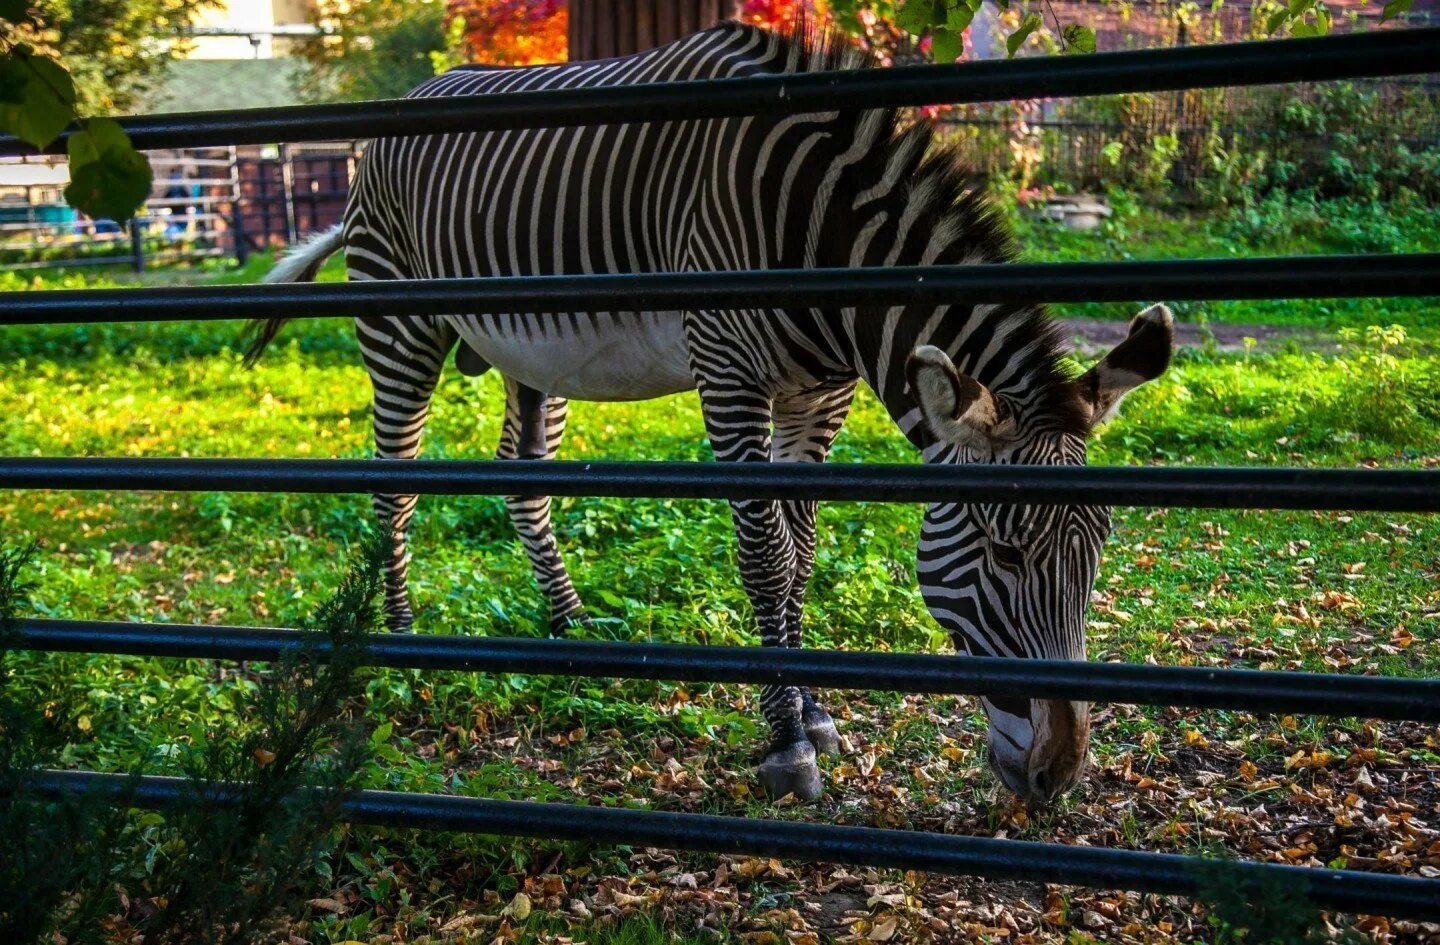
{"x":958,"y":204}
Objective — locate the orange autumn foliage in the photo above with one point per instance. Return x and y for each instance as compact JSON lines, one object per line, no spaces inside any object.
{"x":528,"y":32}
{"x":512,"y":32}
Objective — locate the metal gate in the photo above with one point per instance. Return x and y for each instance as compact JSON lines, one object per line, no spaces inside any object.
{"x":1399,"y":52}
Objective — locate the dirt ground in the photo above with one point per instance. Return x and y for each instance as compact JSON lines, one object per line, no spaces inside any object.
{"x":1093,"y":335}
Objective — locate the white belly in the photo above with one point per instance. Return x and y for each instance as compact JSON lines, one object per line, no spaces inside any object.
{"x":634,"y":356}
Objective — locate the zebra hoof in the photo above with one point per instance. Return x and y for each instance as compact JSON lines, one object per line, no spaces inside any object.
{"x":791,"y":770}
{"x":560,"y":626}
{"x":820,"y":729}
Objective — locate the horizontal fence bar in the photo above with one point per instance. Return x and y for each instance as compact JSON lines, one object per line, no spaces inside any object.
{"x":1413,"y":274}
{"x":1390,"y":490}
{"x":1097,"y":867}
{"x":1392,"y":52}
{"x":1330,"y":694}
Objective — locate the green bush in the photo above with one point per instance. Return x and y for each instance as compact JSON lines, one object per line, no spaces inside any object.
{"x":259,"y":809}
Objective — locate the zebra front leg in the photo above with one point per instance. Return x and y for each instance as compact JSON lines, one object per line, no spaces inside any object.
{"x":738,"y":422}
{"x":805,"y":428}
{"x":819,"y":726}
{"x":767,"y":568}
{"x":534,"y":426}
{"x":404,"y":358}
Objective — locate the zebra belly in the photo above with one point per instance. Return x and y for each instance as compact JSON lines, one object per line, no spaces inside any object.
{"x":627,"y":356}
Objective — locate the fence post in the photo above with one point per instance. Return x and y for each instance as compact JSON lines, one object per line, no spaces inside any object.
{"x":1179,"y":171}
{"x":237,"y":209}
{"x":137,"y":244}
{"x":287,"y":186}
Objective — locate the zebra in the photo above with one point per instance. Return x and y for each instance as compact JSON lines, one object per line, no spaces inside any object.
{"x":965,"y":383}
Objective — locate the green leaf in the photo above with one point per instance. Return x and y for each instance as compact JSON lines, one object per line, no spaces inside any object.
{"x":1276,"y":21}
{"x":1322,"y":20}
{"x":97,"y":138}
{"x":917,"y":16}
{"x":46,"y":101}
{"x":947,"y":45}
{"x":959,"y":18}
{"x":382,"y":733}
{"x":1079,"y":38}
{"x":1015,"y":40}
{"x":1394,"y":8}
{"x":1298,"y":7}
{"x":109,"y":179}
{"x":1304,"y":30}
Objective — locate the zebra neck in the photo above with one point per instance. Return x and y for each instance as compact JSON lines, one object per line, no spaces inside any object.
{"x":922,"y":210}
{"x":1012,"y":350}
{"x":996,"y":345}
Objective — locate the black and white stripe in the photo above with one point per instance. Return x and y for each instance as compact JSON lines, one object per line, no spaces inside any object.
{"x":846,"y":188}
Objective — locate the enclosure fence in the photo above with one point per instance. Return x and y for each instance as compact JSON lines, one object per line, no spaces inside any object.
{"x":1407,"y":51}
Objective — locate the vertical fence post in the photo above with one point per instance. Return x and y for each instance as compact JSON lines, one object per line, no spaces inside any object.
{"x":137,"y":244}
{"x":287,"y":186}
{"x":1179,"y":171}
{"x":237,"y":209}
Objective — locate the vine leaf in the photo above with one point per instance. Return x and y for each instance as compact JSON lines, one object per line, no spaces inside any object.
{"x":1080,"y":39}
{"x":947,"y":45}
{"x":38,"y":97}
{"x":917,"y":16}
{"x":1394,"y":8}
{"x":109,"y":179}
{"x":1015,"y":40}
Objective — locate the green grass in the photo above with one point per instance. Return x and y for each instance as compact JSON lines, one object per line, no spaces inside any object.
{"x":1277,"y":226}
{"x":1321,"y":591}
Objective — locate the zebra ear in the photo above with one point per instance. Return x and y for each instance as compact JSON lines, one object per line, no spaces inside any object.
{"x":1142,"y":356}
{"x":957,"y":408}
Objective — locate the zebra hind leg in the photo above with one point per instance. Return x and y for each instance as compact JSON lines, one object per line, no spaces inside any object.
{"x":534,"y":426}
{"x":404,"y":358}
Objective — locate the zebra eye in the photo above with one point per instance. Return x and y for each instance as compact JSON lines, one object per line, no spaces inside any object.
{"x":1008,"y":556}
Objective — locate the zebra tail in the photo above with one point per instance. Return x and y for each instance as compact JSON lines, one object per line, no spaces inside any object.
{"x":299,"y":264}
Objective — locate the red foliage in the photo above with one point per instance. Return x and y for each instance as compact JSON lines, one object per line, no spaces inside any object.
{"x":512,"y":32}
{"x":776,"y":14}
{"x":527,"y":32}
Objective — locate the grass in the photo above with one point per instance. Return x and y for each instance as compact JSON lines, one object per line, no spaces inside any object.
{"x":1320,"y":591}
{"x":1276,"y":226}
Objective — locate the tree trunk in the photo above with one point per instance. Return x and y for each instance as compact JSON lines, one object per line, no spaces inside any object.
{"x":600,"y":29}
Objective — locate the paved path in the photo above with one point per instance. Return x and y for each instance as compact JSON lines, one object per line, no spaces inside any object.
{"x":1095,"y":335}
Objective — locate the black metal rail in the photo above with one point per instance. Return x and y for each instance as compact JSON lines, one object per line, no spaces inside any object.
{"x":1344,"y":890}
{"x":1366,"y":54}
{"x":1330,"y":694}
{"x":1394,"y":52}
{"x":1390,"y":490}
{"x":1414,"y":274}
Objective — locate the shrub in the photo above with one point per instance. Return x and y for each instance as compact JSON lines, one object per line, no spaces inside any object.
{"x":259,"y":809}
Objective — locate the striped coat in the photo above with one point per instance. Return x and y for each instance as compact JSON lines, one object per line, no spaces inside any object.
{"x":965,"y":383}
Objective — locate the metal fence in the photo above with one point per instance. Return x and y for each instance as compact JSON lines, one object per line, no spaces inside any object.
{"x":187,"y":217}
{"x":1241,"y":64}
{"x":205,"y":203}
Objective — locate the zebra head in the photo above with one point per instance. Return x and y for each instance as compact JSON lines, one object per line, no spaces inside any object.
{"x":1014,"y":580}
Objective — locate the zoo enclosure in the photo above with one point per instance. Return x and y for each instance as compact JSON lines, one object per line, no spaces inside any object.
{"x":1253,"y":63}
{"x":205,"y":202}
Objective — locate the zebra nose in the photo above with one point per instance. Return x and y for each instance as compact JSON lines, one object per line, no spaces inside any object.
{"x":1053,"y":777}
{"x":1044,"y":785}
